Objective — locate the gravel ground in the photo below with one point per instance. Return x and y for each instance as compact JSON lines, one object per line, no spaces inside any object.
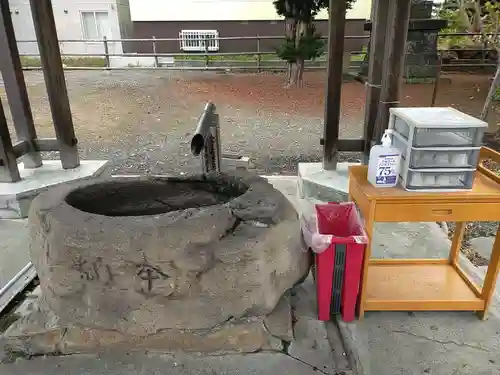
{"x":143,"y":120}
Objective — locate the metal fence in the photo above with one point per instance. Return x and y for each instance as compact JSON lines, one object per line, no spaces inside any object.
{"x":106,"y":54}
{"x":246,"y":60}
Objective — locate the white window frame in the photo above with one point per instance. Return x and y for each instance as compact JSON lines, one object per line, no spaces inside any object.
{"x":194,"y":40}
{"x":85,"y":37}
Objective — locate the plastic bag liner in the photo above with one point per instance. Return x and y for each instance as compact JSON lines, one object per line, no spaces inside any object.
{"x":333,"y":222}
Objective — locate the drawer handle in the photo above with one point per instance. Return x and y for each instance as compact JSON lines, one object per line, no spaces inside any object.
{"x":442,"y":212}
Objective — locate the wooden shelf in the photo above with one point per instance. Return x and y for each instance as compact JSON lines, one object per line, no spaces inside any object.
{"x":417,"y":287}
{"x":427,"y":284}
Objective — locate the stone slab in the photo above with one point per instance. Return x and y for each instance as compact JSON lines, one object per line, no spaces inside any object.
{"x":229,"y":162}
{"x":311,"y":343}
{"x":287,"y":185}
{"x":40,"y":332}
{"x":154,"y":364}
{"x":318,"y":184}
{"x":16,"y":197}
{"x":15,"y":264}
{"x":31,"y":302}
{"x":279,"y":322}
{"x":483,"y":245}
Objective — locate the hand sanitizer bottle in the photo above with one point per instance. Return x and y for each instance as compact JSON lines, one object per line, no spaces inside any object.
{"x":384,"y":163}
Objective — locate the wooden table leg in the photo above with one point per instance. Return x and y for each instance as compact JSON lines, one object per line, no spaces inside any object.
{"x":457,"y":241}
{"x":369,"y":223}
{"x":491,"y":277}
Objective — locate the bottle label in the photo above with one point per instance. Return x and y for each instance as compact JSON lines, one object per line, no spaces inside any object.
{"x":387,"y":169}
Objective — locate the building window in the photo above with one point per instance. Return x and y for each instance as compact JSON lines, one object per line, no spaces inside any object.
{"x":95,"y":25}
{"x":199,"y":40}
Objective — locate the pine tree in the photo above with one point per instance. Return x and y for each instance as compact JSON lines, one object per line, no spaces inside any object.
{"x":302,"y":41}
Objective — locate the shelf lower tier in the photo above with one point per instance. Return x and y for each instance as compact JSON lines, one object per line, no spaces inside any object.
{"x":418,"y":287}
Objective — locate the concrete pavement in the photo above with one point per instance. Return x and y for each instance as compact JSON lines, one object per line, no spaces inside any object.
{"x":156,"y":364}
{"x":384,"y":343}
{"x":435,"y":343}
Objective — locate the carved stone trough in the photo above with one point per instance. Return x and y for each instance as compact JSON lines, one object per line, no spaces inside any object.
{"x":196,"y":263}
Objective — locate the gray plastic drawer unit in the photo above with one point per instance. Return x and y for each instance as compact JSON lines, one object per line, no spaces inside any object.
{"x":436,"y":157}
{"x":439,"y":147}
{"x":437,"y":127}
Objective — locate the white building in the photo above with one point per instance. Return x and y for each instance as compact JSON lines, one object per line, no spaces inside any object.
{"x":78,"y":21}
{"x":82,"y":25}
{"x":223,"y":10}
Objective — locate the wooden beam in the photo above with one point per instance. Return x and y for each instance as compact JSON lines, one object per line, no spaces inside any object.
{"x":42,"y":144}
{"x":397,"y":34}
{"x":380,"y":11}
{"x":337,"y":12}
{"x":21,"y":148}
{"x":47,"y":144}
{"x":50,"y":56}
{"x":15,"y":86}
{"x":9,"y":172}
{"x":350,"y":145}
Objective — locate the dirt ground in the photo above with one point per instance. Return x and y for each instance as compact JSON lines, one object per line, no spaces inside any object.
{"x":142,"y":120}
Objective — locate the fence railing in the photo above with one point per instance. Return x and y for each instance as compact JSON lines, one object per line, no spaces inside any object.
{"x":102,"y":54}
{"x":105,"y":50}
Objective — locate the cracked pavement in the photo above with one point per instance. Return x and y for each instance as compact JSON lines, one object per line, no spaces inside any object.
{"x":155,"y":364}
{"x":442,"y":343}
{"x":427,"y":343}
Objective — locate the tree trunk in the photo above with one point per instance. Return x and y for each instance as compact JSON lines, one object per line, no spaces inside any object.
{"x":290,"y":32}
{"x":289,"y":74}
{"x":494,"y":85}
{"x":293,"y":75}
{"x":300,"y":30}
{"x":300,"y":72}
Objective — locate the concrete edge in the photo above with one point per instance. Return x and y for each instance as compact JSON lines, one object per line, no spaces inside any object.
{"x":267,"y":177}
{"x":105,"y":167}
{"x":339,"y":352}
{"x":34,"y":192}
{"x":16,"y":285}
{"x":352,"y":352}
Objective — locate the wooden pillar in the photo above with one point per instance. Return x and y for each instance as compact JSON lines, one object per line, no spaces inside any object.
{"x":50,"y":56}
{"x":380,"y":10}
{"x":397,"y":33}
{"x":337,"y":12}
{"x":15,"y":88}
{"x":8,"y":162}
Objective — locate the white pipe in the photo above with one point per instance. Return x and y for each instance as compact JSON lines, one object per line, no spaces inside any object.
{"x":15,"y":278}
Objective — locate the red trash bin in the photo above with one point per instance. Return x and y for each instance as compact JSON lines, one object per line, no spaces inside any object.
{"x":338,"y":268}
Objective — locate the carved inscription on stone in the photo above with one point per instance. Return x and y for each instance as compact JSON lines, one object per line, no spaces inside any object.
{"x":95,"y":270}
{"x":149,"y":275}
